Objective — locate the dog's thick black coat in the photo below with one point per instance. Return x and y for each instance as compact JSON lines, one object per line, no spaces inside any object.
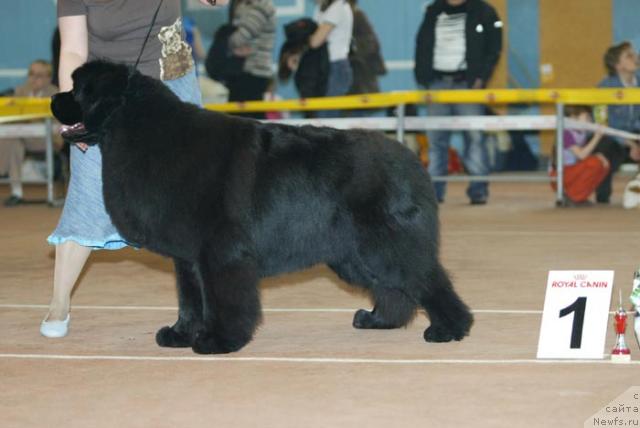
{"x":233,"y":200}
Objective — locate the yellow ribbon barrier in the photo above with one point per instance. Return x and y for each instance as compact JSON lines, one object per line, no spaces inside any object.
{"x":40,"y":106}
{"x":23,"y":117}
{"x":14,"y":106}
{"x":484,"y":96}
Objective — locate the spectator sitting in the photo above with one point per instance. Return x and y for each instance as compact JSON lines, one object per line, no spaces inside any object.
{"x":13,"y":150}
{"x":621,"y":63}
{"x":583,"y":170}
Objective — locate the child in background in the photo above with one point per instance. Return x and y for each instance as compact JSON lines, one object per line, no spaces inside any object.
{"x":583,"y":170}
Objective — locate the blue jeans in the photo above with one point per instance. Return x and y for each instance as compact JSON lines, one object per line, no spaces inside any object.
{"x":475,"y":155}
{"x":340,"y":80}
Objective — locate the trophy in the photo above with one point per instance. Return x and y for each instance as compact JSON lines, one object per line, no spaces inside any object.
{"x":635,"y":300}
{"x":621,"y":353}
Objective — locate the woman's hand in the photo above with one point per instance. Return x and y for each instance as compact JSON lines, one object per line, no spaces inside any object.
{"x":214,"y":2}
{"x":599,"y":132}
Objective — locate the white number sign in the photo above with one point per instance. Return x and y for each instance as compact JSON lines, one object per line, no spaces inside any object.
{"x":576,"y":314}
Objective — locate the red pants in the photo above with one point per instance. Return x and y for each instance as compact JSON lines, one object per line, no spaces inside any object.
{"x":581,"y":179}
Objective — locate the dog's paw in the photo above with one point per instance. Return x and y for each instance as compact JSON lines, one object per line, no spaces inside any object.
{"x":363,"y":319}
{"x":206,"y":343}
{"x":439,"y":334}
{"x":169,"y":338}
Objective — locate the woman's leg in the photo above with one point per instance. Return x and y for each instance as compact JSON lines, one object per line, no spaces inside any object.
{"x":71,"y":256}
{"x":340,"y":79}
{"x":582,"y":179}
{"x":70,"y":259}
{"x":615,"y":154}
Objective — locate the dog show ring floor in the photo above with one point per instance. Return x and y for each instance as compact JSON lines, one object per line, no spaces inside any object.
{"x":307,"y":366}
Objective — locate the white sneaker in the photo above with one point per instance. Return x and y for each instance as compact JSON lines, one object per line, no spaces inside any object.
{"x":55,"y":328}
{"x":631,"y":197}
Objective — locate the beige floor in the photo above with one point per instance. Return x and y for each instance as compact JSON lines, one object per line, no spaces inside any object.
{"x":307,"y":367}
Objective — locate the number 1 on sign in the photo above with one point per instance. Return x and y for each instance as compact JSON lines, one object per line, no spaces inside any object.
{"x":578,"y":306}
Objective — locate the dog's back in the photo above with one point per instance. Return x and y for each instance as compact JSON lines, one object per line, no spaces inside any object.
{"x":315,"y":187}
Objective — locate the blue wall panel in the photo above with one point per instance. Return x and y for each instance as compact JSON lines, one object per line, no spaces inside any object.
{"x":626,"y":18}
{"x":26,"y":27}
{"x":524,"y":47}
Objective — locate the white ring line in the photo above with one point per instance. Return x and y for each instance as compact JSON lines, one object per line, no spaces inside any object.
{"x":536,"y":233}
{"x":317,"y":360}
{"x":274,"y":310}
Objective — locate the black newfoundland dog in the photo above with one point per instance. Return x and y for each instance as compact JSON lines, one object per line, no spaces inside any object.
{"x":233,"y":200}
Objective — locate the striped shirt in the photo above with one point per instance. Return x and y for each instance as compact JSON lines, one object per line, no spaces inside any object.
{"x":450,"y":42}
{"x":256,"y":22}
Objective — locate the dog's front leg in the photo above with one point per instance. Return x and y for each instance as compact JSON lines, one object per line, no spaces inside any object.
{"x":183,"y":332}
{"x":230,"y":296}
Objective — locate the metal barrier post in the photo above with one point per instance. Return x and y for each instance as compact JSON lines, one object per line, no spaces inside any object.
{"x":400,"y":114}
{"x":559,"y":154}
{"x":48,"y":125}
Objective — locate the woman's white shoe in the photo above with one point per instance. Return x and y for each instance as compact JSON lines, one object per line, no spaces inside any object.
{"x":55,"y":328}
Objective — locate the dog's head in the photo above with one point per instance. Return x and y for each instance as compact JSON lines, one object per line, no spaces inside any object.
{"x":98,"y":89}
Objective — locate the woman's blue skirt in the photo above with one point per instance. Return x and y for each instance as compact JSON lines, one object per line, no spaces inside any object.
{"x":84,"y":218}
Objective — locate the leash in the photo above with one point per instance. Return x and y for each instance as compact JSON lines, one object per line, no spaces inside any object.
{"x":153,"y":21}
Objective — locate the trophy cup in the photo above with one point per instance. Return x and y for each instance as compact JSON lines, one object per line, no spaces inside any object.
{"x":635,"y":300}
{"x":621,"y":353}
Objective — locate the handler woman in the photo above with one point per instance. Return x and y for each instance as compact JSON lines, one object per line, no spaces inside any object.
{"x":114,"y":30}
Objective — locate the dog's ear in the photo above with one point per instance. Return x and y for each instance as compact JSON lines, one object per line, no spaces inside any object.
{"x":65,"y":108}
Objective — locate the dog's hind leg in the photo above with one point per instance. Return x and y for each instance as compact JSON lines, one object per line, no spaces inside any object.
{"x":450,"y":317}
{"x":182,"y":333}
{"x":230,"y":296}
{"x":393,"y":307}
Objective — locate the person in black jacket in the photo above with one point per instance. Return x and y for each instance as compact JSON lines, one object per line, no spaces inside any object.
{"x":457,"y":47}
{"x":310,"y":67}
